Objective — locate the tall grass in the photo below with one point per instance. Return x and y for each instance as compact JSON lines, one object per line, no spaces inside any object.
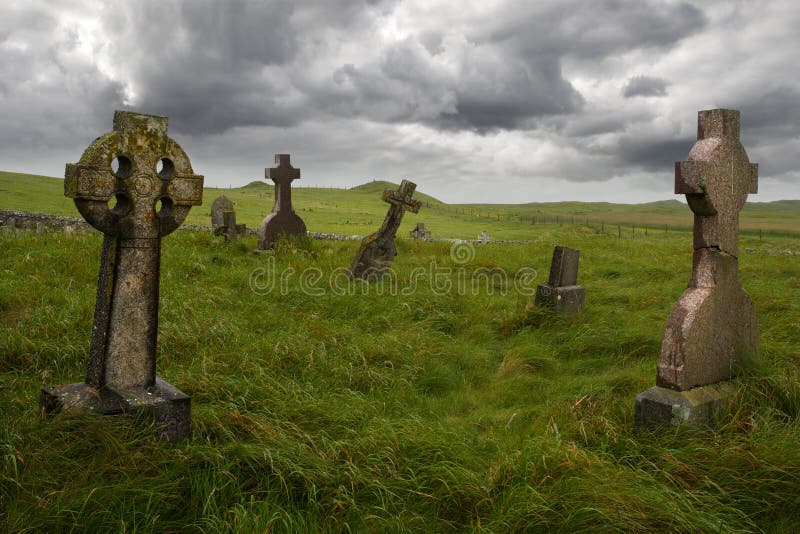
{"x":417,"y":412}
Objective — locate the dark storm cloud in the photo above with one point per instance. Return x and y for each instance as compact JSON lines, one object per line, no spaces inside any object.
{"x":212,"y":65}
{"x":645,"y":86}
{"x":592,"y":30}
{"x":484,"y":92}
{"x":208,"y":65}
{"x":652,"y":154}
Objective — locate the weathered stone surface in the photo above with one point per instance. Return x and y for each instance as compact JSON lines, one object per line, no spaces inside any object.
{"x":150,"y":203}
{"x":420,"y":232}
{"x":377,"y":251}
{"x":283,"y":220}
{"x":564,"y":267}
{"x":562,"y":293}
{"x":220,"y":205}
{"x":712,"y":330}
{"x":701,"y":406}
{"x":223,"y":220}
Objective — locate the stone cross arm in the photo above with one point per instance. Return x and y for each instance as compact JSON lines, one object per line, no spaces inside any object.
{"x":402,"y":197}
{"x":283,"y":172}
{"x":716,"y":179}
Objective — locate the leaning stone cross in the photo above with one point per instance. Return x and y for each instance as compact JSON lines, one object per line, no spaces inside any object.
{"x":283,"y":219}
{"x":153,"y":187}
{"x":712,"y":331}
{"x":378,"y":250}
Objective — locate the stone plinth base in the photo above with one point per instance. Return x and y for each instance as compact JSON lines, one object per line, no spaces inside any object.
{"x":167,"y":405}
{"x":564,"y":299}
{"x":701,"y":406}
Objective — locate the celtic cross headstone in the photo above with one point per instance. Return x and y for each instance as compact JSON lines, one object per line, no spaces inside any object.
{"x":149,"y":180}
{"x":283,"y":220}
{"x":378,"y":250}
{"x":712,"y":331}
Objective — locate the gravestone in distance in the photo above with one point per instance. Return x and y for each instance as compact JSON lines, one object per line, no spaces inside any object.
{"x":283,"y":220}
{"x":420,"y":232}
{"x":561,"y":292}
{"x":223,"y":219}
{"x":377,"y":250}
{"x":712,"y":331}
{"x":149,"y":204}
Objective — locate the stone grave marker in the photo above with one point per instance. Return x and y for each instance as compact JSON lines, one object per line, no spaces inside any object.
{"x":377,"y":250}
{"x":712,"y":331}
{"x":420,"y":232}
{"x":283,"y":220}
{"x":223,"y":219}
{"x":561,"y":292}
{"x":152,"y":188}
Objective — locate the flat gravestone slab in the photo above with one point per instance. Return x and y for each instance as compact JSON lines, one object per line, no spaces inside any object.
{"x":561,"y":293}
{"x":223,"y":220}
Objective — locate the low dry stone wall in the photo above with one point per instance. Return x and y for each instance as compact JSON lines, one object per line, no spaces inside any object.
{"x":40,"y":222}
{"x":11,"y":221}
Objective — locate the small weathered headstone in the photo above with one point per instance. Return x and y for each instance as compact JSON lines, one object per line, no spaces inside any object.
{"x":149,"y":204}
{"x":283,"y":220}
{"x":561,"y":292}
{"x":484,"y":237}
{"x":712,"y":331}
{"x":223,"y":219}
{"x":377,"y":250}
{"x":420,"y":232}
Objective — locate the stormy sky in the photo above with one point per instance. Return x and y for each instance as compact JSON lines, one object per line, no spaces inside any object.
{"x":492,"y":101}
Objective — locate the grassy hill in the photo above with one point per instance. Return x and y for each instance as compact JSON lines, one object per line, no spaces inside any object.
{"x":359,"y":210}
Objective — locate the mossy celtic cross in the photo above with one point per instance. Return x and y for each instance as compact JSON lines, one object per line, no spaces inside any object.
{"x":149,"y":178}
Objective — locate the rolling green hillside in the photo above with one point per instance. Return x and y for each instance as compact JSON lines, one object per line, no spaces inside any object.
{"x":359,"y":210}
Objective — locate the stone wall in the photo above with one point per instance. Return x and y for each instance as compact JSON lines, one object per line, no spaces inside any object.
{"x":40,"y":222}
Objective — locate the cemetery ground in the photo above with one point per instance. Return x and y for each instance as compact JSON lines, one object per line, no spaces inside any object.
{"x":428,"y":409}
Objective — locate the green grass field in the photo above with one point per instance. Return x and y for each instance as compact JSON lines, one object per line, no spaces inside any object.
{"x":427,"y":409}
{"x":359,"y":211}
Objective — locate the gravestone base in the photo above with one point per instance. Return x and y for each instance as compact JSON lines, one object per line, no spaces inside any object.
{"x":700,"y":406}
{"x":562,"y":299}
{"x":169,"y":407}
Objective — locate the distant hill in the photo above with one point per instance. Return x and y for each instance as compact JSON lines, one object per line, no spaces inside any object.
{"x":359,"y":210}
{"x":378,"y":186}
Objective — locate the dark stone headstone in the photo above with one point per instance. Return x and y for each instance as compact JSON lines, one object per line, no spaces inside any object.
{"x":150,"y":204}
{"x":712,"y":331}
{"x":223,"y":219}
{"x":283,"y":220}
{"x":420,"y":232}
{"x":561,"y":292}
{"x":377,"y":250}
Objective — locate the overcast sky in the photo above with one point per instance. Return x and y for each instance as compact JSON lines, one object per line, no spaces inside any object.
{"x":491,"y":101}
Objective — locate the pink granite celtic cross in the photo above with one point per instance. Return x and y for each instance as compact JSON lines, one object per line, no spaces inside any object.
{"x":712,"y":330}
